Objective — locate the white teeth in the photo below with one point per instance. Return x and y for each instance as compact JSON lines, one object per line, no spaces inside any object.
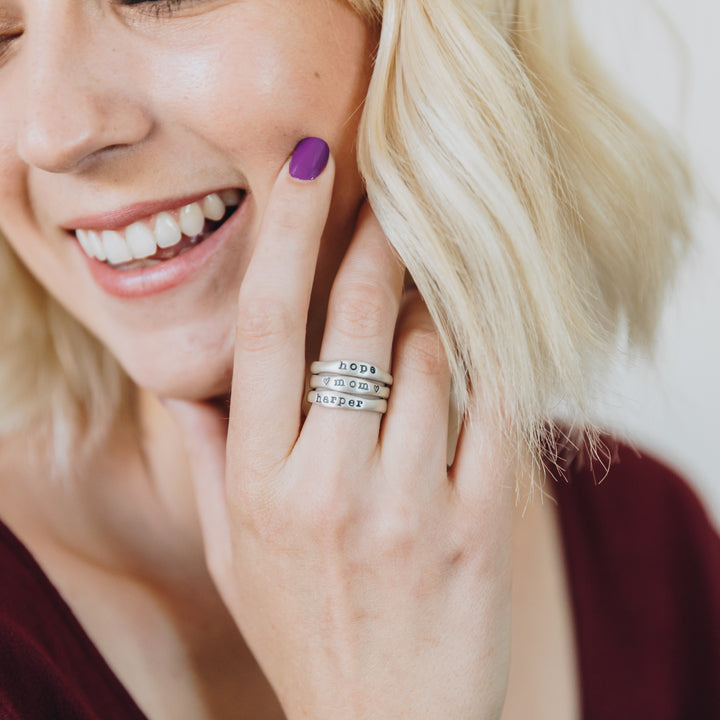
{"x":213,"y":207}
{"x":167,"y":231}
{"x":84,"y":241}
{"x":97,"y":245}
{"x":192,"y":219}
{"x":140,"y":241}
{"x":116,"y":248}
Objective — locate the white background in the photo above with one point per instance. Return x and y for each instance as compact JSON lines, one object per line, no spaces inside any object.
{"x":667,"y":53}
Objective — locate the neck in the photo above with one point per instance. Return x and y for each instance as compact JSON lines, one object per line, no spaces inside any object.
{"x":129,"y":507}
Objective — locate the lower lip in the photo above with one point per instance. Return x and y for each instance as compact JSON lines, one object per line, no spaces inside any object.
{"x":169,"y":273}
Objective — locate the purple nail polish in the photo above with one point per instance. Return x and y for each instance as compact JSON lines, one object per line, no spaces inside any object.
{"x":309,"y":158}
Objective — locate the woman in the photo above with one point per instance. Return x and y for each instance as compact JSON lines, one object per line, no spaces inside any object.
{"x":187,"y":232}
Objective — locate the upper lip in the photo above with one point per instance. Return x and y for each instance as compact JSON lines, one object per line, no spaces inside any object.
{"x":119,"y":218}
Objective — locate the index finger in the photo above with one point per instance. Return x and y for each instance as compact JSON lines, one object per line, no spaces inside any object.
{"x":269,"y":368}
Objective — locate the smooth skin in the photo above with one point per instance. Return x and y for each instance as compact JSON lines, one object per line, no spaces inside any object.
{"x":367,"y":579}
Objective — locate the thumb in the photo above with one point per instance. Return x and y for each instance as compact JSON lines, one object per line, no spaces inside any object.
{"x":204,"y":429}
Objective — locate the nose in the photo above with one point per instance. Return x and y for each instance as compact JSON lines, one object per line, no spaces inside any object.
{"x":78,"y":107}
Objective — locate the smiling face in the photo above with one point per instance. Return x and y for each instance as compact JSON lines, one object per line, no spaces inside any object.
{"x":153,"y":137}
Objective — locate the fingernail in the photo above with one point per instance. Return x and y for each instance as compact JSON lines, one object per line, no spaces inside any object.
{"x":309,"y":158}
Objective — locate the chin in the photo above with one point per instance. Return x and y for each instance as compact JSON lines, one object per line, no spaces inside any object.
{"x":206,"y":375}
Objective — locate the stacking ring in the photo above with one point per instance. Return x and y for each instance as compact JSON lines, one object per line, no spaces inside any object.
{"x":345,"y":401}
{"x":352,"y":385}
{"x":353,"y":368}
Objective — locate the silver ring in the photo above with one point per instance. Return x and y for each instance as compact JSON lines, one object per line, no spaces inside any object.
{"x":352,"y":385}
{"x":343,"y":401}
{"x":354,"y":368}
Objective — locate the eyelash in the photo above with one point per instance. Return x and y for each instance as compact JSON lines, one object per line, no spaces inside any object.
{"x":160,"y":8}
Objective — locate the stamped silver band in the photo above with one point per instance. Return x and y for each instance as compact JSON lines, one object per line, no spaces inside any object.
{"x":344,"y":401}
{"x":354,"y":368}
{"x":352,"y":385}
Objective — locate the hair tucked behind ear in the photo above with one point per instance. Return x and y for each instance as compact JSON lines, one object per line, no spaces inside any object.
{"x":538,"y":215}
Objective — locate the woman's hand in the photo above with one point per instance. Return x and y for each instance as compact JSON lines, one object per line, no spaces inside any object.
{"x":368,"y":578}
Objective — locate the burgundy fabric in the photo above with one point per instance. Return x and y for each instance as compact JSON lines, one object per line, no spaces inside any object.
{"x":49,"y":667}
{"x":644,"y":568}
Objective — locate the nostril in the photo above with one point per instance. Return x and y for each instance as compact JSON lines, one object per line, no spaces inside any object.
{"x":66,"y":132}
{"x":56,"y":148}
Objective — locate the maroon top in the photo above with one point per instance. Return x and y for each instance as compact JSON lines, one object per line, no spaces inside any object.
{"x":644,"y":570}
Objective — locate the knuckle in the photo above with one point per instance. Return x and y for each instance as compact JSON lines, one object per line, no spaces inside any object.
{"x":361,"y":310}
{"x":263,"y":324}
{"x":327,"y":515}
{"x":363,"y":533}
{"x":396,"y":533}
{"x":470,"y":548}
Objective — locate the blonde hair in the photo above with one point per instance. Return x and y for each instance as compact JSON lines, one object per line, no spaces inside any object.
{"x":58,"y":384}
{"x":538,"y":213}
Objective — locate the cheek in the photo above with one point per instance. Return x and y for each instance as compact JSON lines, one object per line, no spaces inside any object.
{"x":50,"y":262}
{"x":254,"y":89}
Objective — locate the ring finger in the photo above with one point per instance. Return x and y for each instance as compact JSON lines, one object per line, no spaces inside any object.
{"x":362,"y":312}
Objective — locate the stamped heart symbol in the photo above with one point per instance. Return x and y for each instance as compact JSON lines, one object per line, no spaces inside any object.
{"x":377,"y":387}
{"x":326,"y":381}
